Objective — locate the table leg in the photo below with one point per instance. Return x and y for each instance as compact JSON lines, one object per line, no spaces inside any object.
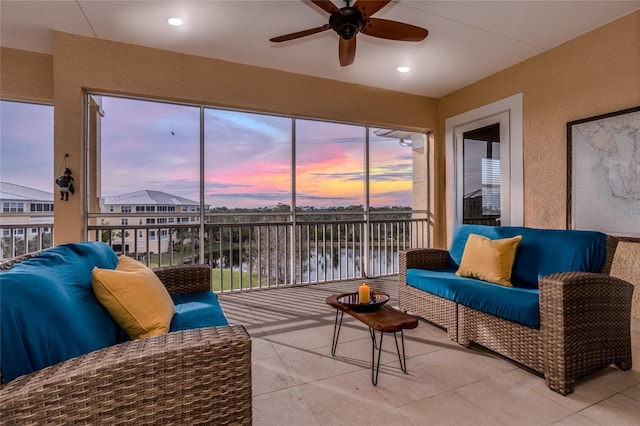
{"x":336,"y":332}
{"x":402,"y":359}
{"x":372,"y":333}
{"x":375,"y":366}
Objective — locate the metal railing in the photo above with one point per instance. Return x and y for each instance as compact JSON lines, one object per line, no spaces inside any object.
{"x":246,"y":253}
{"x":16,"y":240}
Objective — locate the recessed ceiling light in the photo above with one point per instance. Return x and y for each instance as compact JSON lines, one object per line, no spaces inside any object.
{"x":176,"y":22}
{"x":403,"y":69}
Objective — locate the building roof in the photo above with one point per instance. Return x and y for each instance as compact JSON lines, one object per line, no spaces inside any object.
{"x":13,"y":192}
{"x":148,"y":197}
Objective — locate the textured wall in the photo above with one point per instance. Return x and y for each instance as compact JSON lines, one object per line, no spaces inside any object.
{"x":141,"y":71}
{"x":626,"y":266}
{"x":593,"y":74}
{"x":26,"y":76}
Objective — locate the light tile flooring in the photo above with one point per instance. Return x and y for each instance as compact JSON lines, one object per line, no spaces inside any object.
{"x":296,"y":381}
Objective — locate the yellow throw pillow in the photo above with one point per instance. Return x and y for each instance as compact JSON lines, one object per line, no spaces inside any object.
{"x":135,"y":297}
{"x":489,"y":260}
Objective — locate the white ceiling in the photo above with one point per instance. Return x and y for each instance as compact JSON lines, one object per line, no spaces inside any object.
{"x":468,"y":40}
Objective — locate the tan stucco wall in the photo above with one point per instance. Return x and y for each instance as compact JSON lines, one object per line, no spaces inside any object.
{"x":26,"y":76}
{"x":84,"y":62}
{"x":626,"y":266}
{"x":596,"y":73}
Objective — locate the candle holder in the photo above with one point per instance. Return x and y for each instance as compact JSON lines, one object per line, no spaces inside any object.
{"x":352,"y":301}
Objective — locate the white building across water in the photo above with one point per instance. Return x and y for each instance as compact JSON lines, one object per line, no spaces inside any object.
{"x":153,"y":213}
{"x":29,"y":212}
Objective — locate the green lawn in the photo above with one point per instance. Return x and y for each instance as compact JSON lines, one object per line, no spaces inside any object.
{"x":223,"y":283}
{"x":218,"y":283}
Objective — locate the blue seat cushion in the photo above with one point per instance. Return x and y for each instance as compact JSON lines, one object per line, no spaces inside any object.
{"x":48,"y":311}
{"x":541,"y":251}
{"x":520,"y":305}
{"x":195,"y":310}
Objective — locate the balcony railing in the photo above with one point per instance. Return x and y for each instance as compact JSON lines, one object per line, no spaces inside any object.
{"x":16,"y":240}
{"x":246,"y":252}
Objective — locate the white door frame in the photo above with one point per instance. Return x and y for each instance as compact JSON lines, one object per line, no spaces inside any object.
{"x":513,"y":107}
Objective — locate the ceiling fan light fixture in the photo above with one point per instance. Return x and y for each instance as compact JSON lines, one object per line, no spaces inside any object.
{"x":403,"y":69}
{"x":175,"y":22}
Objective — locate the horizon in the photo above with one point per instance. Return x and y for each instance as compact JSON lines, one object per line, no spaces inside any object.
{"x":210,"y":208}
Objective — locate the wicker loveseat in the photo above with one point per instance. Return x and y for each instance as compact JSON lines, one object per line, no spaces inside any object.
{"x":190,"y":376}
{"x":580,"y":318}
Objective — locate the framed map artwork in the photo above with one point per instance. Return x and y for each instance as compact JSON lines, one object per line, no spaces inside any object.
{"x":603,"y":173}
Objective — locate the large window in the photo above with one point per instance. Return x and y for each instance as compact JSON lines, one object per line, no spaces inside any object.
{"x":269,"y":198}
{"x":251,"y":162}
{"x":247,"y":162}
{"x":330,"y":165}
{"x":392,"y":175}
{"x":149,"y":146}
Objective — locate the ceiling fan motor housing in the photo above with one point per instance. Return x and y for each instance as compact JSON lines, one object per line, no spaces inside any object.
{"x":347,"y":23}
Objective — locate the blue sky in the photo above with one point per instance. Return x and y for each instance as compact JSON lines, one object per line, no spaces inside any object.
{"x":26,"y":145}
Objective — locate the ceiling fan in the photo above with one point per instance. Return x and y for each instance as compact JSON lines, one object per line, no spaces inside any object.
{"x":351,"y":20}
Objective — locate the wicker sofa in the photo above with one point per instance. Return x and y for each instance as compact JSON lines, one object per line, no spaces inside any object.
{"x":190,"y":376}
{"x":584,"y":316}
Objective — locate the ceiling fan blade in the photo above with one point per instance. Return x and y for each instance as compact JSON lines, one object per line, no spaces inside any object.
{"x":301,"y":33}
{"x":326,"y":5}
{"x":347,"y":51}
{"x":393,"y":30}
{"x":368,"y":8}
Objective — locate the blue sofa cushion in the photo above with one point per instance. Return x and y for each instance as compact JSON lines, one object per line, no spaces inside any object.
{"x":48,"y":310}
{"x":541,"y":251}
{"x":520,"y":305}
{"x":195,"y":310}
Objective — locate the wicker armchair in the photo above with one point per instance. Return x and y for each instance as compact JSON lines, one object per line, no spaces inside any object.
{"x":585,"y":320}
{"x":432,"y":308}
{"x":186,"y":377}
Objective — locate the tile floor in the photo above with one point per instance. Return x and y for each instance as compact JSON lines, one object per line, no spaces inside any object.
{"x":296,"y":381}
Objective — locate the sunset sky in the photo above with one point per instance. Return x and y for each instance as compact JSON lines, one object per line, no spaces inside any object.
{"x":153,"y":145}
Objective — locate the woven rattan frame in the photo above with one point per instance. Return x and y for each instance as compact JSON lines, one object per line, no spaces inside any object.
{"x":199,"y":376}
{"x":185,"y":279}
{"x":432,"y":308}
{"x":518,"y":342}
{"x":585,"y":321}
